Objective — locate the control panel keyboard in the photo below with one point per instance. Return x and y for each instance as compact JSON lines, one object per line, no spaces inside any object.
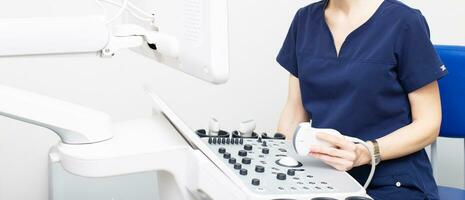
{"x":265,"y":166}
{"x":269,"y":165}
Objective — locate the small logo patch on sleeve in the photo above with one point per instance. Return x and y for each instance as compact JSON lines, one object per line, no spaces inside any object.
{"x":443,"y":68}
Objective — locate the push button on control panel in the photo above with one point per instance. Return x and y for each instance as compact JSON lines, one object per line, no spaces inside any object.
{"x":232,"y":161}
{"x":243,"y":172}
{"x":226,"y":155}
{"x":248,"y":147}
{"x":281,"y":176}
{"x":237,"y":166}
{"x":259,"y":169}
{"x":242,"y":153}
{"x":291,"y":172}
{"x":246,"y":161}
{"x":265,"y":151}
{"x":256,"y":181}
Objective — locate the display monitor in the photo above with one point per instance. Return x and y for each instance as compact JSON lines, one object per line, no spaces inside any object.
{"x":200,"y":28}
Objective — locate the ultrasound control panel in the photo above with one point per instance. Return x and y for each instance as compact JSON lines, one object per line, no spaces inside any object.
{"x":268,"y":165}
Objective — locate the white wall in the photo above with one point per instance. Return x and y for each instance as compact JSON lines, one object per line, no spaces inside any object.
{"x":256,"y":90}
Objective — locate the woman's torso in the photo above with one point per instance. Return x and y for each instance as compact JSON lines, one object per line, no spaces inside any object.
{"x":358,"y":92}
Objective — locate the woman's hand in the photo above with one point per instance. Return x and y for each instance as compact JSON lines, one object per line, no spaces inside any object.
{"x":344,"y":155}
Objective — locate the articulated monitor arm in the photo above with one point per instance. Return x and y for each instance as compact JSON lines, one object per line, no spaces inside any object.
{"x":74,"y":124}
{"x":65,"y":35}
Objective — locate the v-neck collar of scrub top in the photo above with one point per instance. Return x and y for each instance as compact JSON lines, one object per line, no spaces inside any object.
{"x":347,"y":39}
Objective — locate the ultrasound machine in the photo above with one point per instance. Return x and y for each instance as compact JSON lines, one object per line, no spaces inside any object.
{"x":201,"y":163}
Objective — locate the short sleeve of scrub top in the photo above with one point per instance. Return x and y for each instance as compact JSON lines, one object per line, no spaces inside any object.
{"x":287,"y":56}
{"x":419,"y":63}
{"x":363,"y":91}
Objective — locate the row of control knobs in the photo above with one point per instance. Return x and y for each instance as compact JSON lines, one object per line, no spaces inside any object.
{"x":243,"y":153}
{"x":246,"y":130}
{"x":222,"y":140}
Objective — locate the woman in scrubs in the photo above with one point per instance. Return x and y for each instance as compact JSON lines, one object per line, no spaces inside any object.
{"x":367,"y":68}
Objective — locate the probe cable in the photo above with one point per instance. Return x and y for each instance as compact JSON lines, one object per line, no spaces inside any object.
{"x":373,"y":159}
{"x":130,"y":7}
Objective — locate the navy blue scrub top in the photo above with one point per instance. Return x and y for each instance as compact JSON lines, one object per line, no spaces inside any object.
{"x":363,"y":92}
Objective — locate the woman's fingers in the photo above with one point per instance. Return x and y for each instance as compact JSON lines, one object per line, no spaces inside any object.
{"x":348,"y":155}
{"x":338,"y":163}
{"x":342,"y":156}
{"x":338,"y":141}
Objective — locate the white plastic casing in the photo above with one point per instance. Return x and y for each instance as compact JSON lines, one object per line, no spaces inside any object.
{"x":246,"y":128}
{"x":305,"y":138}
{"x":230,"y":175}
{"x":201,"y":29}
{"x":54,"y":35}
{"x":213,"y":127}
{"x":74,"y":124}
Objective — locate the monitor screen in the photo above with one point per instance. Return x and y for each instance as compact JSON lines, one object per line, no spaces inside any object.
{"x":200,"y":28}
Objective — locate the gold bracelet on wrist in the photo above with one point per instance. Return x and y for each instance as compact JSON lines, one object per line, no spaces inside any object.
{"x":376,"y":151}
